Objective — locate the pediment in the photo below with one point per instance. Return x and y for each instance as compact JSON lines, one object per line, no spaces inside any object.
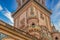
{"x":31,"y":3}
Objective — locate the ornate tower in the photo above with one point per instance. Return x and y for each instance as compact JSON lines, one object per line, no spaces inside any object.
{"x":32,"y":17}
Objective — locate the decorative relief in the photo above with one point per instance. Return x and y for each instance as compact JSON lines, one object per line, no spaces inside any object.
{"x":32,"y":11}
{"x":40,"y":32}
{"x":36,"y":31}
{"x":32,"y":22}
{"x":44,"y":27}
{"x":44,"y":33}
{"x":41,"y":16}
{"x":22,"y":23}
{"x":49,"y":36}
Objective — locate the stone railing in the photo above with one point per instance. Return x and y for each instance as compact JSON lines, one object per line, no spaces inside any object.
{"x":17,"y":30}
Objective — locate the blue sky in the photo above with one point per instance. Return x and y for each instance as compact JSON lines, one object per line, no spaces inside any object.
{"x":7,"y":7}
{"x":54,"y":5}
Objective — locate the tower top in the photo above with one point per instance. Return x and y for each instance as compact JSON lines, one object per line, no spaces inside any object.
{"x":22,"y":2}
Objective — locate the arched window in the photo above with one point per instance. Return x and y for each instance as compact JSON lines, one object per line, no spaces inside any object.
{"x":56,"y":38}
{"x":33,"y":25}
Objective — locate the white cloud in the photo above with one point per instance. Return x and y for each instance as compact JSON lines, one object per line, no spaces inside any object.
{"x":56,"y":10}
{"x":57,"y":25}
{"x":9,"y":16}
{"x":1,"y":8}
{"x":58,"y":5}
{"x":56,"y":15}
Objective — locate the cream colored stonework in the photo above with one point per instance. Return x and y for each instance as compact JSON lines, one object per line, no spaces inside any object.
{"x":31,"y":22}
